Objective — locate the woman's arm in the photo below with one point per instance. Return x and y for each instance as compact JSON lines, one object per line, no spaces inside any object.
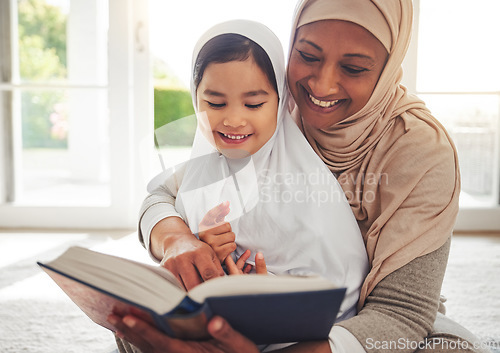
{"x":402,"y":308}
{"x":170,"y":241}
{"x":189,"y":259}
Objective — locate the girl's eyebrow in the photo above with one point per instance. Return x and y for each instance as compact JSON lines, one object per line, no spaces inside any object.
{"x":213,"y":93}
{"x":210,"y":92}
{"x":255,"y":93}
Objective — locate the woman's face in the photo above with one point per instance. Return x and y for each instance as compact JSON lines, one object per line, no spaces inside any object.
{"x":333,"y":69}
{"x":241,"y":107}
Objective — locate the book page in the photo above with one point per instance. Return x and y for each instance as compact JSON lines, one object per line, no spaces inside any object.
{"x":147,"y":285}
{"x":258,"y":284}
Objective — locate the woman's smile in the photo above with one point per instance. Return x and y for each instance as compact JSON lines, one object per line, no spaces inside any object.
{"x":321,"y":105}
{"x":333,"y":78}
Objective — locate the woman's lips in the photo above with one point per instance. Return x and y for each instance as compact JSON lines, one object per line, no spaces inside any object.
{"x":234,"y":138}
{"x":323,"y":104}
{"x":319,"y":105}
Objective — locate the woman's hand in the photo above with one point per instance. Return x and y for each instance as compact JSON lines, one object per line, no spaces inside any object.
{"x":149,"y":340}
{"x":189,"y":259}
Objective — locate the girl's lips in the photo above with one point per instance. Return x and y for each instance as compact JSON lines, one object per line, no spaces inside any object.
{"x":234,"y":139}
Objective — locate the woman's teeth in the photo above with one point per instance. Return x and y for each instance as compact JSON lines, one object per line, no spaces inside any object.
{"x":235,"y":137}
{"x":323,"y":104}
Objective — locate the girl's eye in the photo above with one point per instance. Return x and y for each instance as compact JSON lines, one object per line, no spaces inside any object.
{"x":307,"y":57}
{"x":254,"y":106}
{"x":354,"y":70}
{"x":215,"y":105}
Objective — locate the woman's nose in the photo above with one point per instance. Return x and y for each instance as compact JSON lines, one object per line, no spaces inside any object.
{"x":325,"y":81}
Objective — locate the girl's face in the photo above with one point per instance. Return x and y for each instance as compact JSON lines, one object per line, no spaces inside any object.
{"x":241,"y":106}
{"x":333,"y":69}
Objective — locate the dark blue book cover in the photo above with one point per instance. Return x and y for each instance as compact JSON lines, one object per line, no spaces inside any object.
{"x":265,"y":318}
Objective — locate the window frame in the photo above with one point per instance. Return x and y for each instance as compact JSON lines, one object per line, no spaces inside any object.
{"x":130,"y":116}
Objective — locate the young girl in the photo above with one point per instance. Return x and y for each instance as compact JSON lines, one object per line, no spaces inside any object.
{"x":252,"y":167}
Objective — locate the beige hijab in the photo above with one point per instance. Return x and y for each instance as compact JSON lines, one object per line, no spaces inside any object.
{"x":393,"y":159}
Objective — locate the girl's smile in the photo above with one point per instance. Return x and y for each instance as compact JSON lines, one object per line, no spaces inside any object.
{"x":234,"y":138}
{"x":241,"y":106}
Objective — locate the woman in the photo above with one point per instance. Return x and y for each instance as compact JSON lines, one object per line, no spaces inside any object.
{"x":395,"y":163}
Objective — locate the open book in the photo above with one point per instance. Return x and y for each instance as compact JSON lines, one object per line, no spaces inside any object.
{"x":266,"y":309}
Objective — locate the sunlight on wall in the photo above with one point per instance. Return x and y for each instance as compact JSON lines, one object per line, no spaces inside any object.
{"x":177,"y":25}
{"x":457,"y":49}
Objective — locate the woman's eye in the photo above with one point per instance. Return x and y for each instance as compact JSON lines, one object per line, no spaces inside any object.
{"x":216,"y":105}
{"x":254,"y":106}
{"x":307,"y":57}
{"x":354,"y":70}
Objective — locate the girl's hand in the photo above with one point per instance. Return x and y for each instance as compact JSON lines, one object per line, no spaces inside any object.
{"x":241,"y":267}
{"x":149,"y":340}
{"x":217,"y":233}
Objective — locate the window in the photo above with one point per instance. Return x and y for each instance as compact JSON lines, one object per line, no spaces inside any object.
{"x":454,"y":59}
{"x":72,"y":138}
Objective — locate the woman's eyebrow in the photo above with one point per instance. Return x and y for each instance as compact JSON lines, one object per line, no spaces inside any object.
{"x":311,"y":44}
{"x":361,"y":56}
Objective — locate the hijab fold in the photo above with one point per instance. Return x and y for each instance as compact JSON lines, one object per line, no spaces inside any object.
{"x":409,"y":208}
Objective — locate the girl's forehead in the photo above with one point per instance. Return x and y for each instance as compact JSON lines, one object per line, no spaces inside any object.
{"x":243,"y":76}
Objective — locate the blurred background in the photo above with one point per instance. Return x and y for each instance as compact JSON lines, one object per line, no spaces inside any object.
{"x":84,"y":84}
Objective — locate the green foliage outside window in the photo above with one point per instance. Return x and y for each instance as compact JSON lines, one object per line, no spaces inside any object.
{"x":173,"y":105}
{"x":42,"y":58}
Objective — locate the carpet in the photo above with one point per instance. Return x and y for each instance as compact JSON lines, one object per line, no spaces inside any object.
{"x":37,"y":317}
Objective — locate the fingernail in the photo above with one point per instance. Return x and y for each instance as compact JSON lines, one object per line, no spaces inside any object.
{"x":112,"y":320}
{"x":259,"y":256}
{"x":130,"y":322}
{"x":217,"y":324}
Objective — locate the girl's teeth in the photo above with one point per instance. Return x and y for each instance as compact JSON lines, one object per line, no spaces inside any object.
{"x":323,"y":104}
{"x":235,"y":137}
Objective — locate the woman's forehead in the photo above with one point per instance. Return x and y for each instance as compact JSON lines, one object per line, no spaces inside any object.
{"x":339,"y":35}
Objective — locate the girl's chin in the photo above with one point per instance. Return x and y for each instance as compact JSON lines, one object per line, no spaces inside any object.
{"x":234,"y":153}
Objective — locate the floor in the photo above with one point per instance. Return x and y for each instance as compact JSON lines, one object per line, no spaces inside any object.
{"x":36,"y":317}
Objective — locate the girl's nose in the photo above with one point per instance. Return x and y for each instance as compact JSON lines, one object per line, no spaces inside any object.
{"x":234,"y":119}
{"x":325,"y":81}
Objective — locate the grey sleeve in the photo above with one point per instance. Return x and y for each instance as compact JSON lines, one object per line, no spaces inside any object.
{"x":159,"y":204}
{"x":403,"y":306}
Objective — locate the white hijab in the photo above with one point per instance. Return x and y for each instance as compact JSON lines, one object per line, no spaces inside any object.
{"x":284,"y":201}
